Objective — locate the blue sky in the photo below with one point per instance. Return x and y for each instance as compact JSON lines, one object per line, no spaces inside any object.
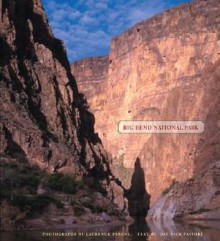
{"x":87,"y":26}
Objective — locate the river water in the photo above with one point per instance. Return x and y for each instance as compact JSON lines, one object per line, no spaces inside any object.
{"x":161,"y":231}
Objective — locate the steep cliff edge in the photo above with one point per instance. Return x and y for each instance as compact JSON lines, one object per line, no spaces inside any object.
{"x":164,"y":68}
{"x":44,"y":119}
{"x":42,"y":108}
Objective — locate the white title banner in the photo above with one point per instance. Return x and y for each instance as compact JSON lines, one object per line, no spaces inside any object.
{"x":164,"y":127}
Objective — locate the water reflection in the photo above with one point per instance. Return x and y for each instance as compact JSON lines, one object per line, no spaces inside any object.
{"x":160,"y":231}
{"x":139,"y":230}
{"x":192,"y":230}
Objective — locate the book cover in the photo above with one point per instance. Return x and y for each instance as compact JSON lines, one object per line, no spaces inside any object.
{"x":110,"y":120}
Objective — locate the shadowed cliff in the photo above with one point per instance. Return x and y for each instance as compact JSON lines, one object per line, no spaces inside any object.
{"x":47,"y":131}
{"x":138,"y":198}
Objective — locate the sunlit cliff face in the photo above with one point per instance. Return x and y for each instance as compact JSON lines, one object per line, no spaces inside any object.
{"x":164,"y":68}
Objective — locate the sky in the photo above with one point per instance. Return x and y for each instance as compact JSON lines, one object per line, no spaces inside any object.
{"x":87,"y":26}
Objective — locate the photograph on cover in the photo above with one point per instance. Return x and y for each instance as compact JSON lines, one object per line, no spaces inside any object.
{"x":110,"y":120}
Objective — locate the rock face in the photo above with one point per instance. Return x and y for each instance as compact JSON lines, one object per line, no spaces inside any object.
{"x":164,"y":68}
{"x":43,"y":115}
{"x":198,"y":197}
{"x":91,"y":74}
{"x":44,"y":118}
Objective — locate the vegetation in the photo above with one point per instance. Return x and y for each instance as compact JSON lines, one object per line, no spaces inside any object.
{"x":20,"y":183}
{"x":23,"y":179}
{"x":62,"y":183}
{"x":26,"y":179}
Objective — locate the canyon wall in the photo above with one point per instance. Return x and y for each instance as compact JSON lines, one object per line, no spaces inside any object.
{"x":164,"y":68}
{"x":42,"y":110}
{"x":45,"y":121}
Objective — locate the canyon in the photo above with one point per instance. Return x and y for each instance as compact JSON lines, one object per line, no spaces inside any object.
{"x":63,"y":160}
{"x":164,"y":68}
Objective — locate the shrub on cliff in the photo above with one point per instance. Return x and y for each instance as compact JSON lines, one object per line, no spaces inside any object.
{"x":16,"y":177}
{"x":62,"y":183}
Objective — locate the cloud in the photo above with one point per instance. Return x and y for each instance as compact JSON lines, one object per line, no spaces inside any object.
{"x":101,"y":5}
{"x":88,"y":20}
{"x":87,"y":26}
{"x":75,"y":14}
